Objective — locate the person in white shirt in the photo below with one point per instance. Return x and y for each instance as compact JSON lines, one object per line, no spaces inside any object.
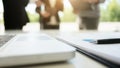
{"x":88,"y":12}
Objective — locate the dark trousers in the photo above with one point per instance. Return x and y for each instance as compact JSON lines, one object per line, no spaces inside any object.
{"x":44,"y":24}
{"x":89,"y":23}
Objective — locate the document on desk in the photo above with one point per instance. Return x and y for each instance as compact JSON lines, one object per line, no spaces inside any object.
{"x":110,"y":52}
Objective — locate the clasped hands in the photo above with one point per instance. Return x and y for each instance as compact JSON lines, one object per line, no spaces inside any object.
{"x":43,"y":13}
{"x":38,"y":3}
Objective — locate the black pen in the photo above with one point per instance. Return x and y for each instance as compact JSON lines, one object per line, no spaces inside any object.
{"x":104,"y":41}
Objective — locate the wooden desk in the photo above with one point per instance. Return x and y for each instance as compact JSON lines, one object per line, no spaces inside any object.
{"x":80,"y":60}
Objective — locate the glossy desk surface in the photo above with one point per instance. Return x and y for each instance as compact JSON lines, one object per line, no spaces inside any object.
{"x":80,"y":60}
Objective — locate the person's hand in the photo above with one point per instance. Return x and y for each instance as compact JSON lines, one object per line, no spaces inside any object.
{"x":45,"y":14}
{"x":92,"y":1}
{"x":38,"y":3}
{"x":75,"y":11}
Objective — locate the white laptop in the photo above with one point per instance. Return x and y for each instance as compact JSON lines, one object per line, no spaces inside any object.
{"x":109,"y":52}
{"x":31,"y":48}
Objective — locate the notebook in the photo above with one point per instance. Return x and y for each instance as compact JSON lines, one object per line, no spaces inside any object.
{"x":108,"y":52}
{"x":32,"y":48}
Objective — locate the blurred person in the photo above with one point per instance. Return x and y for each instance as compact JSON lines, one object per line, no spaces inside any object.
{"x":48,"y":11}
{"x":88,"y":12}
{"x":15,"y":16}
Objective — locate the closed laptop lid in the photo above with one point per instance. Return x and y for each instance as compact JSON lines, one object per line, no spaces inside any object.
{"x":34,"y":48}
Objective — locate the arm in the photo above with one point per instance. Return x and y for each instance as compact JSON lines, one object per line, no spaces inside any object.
{"x":26,"y":2}
{"x":38,"y":4}
{"x":75,"y":4}
{"x":60,"y":5}
{"x":94,"y":1}
{"x":39,"y":10}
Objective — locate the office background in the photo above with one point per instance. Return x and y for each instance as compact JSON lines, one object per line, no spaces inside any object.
{"x":110,"y":13}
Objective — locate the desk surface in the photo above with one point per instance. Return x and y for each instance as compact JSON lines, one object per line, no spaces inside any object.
{"x":80,"y":60}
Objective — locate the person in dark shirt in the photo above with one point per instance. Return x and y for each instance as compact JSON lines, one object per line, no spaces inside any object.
{"x":15,"y":16}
